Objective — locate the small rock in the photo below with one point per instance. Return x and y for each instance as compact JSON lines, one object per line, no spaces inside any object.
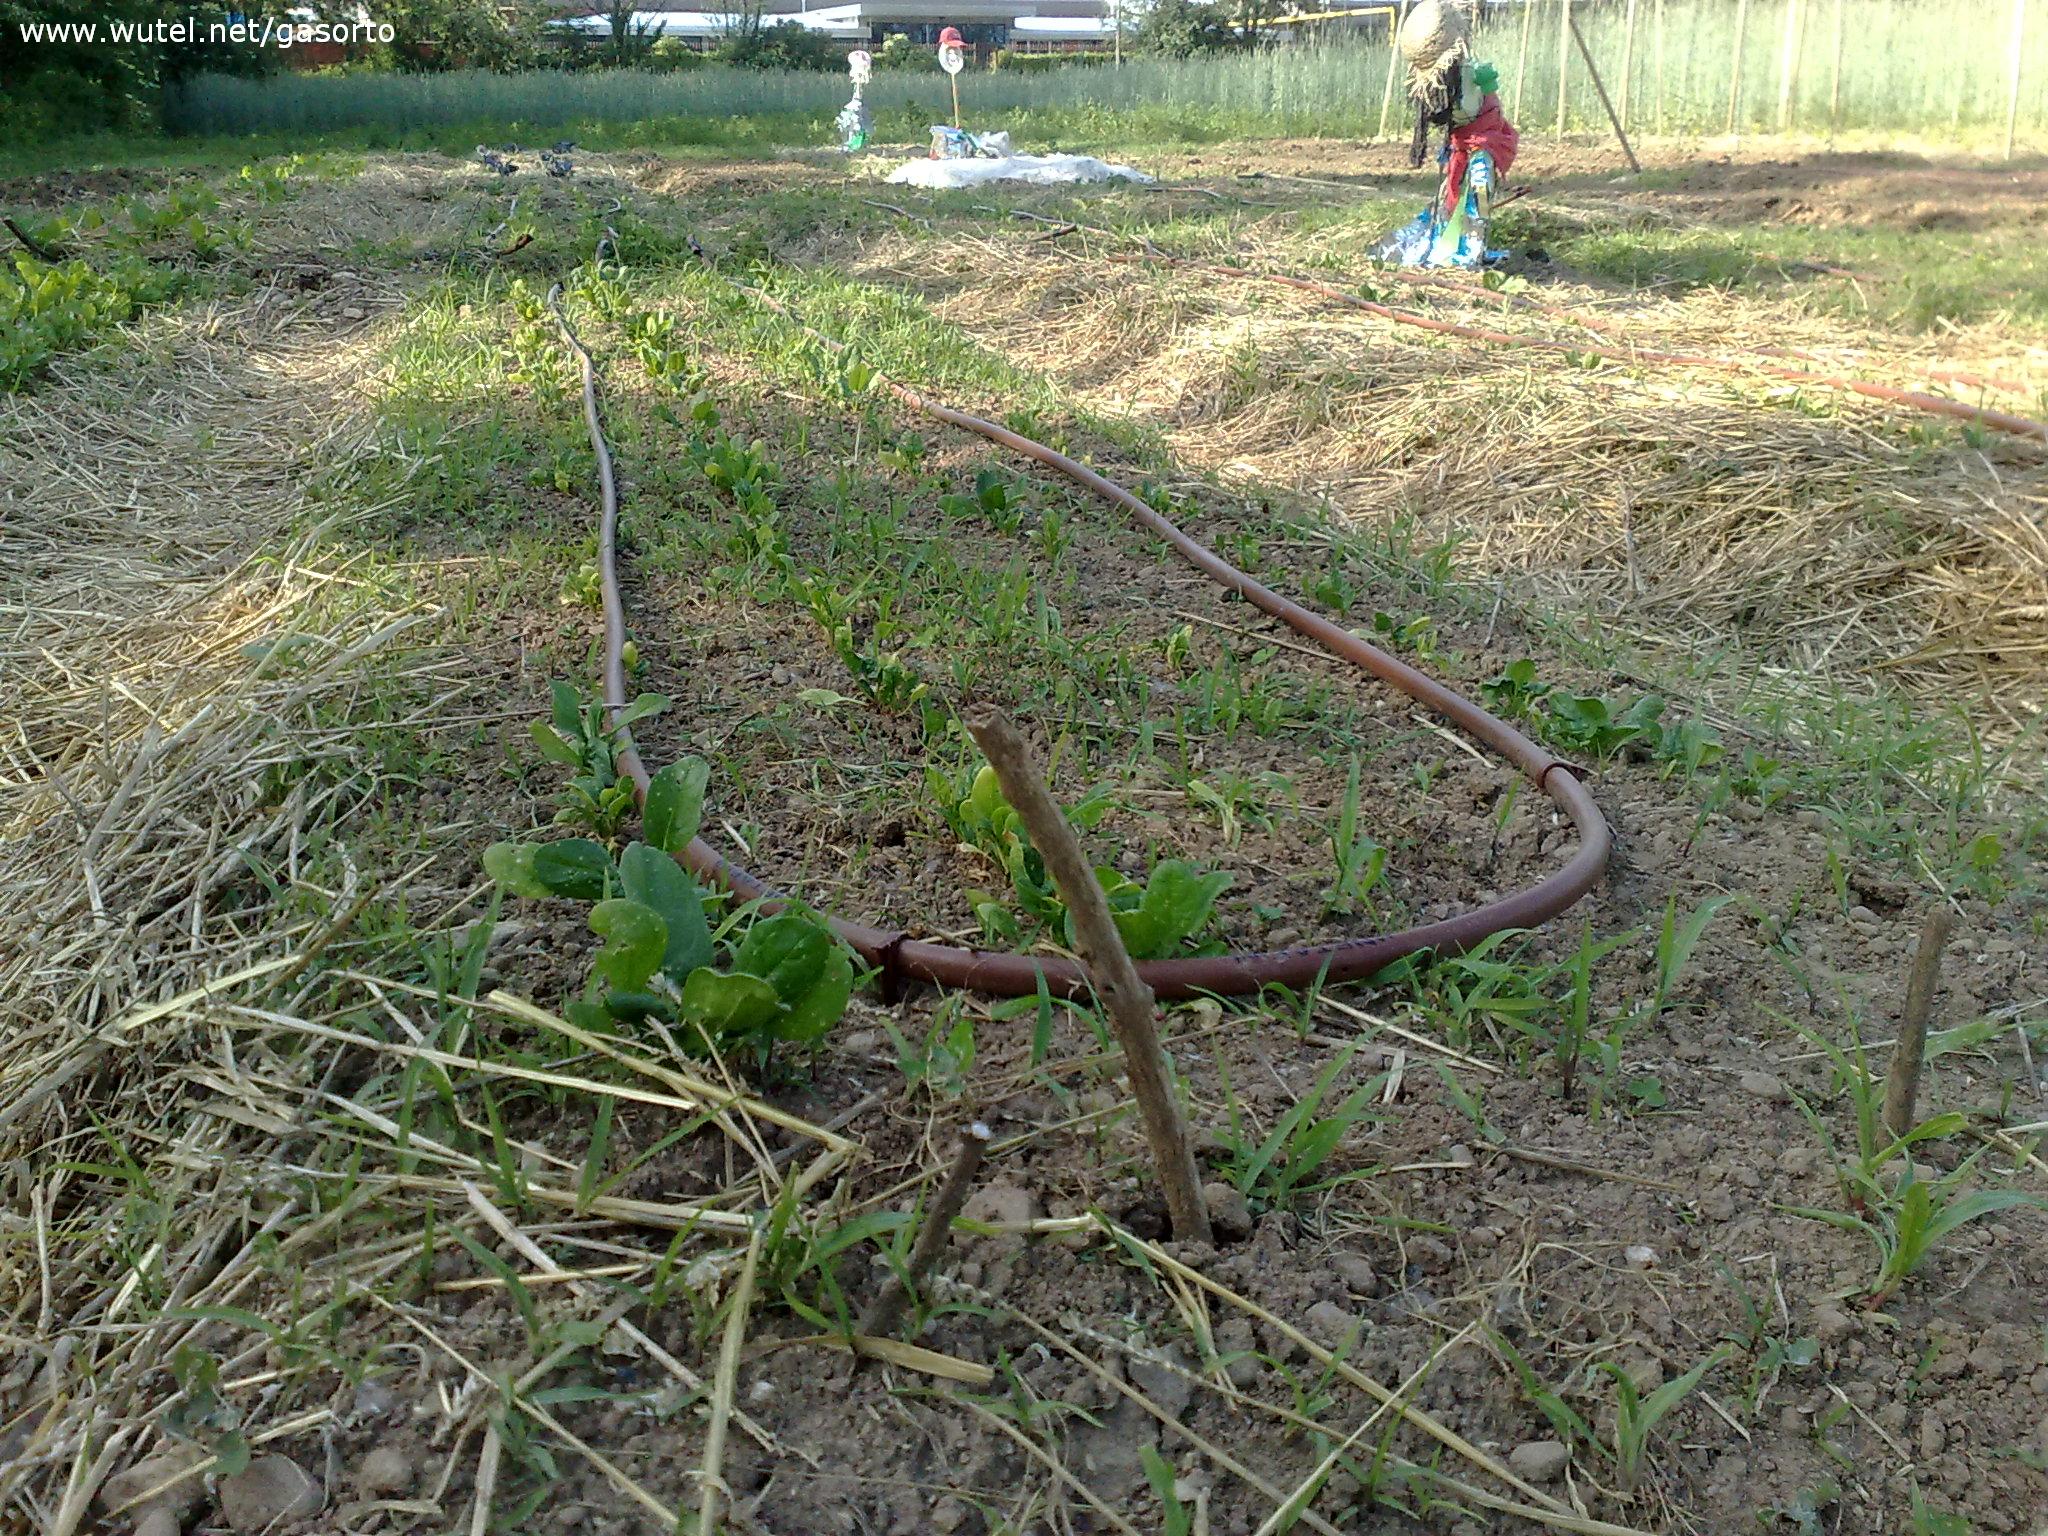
{"x":1645,"y":1370}
{"x":1459,"y":1155}
{"x":352,"y":312}
{"x":1863,"y":915}
{"x":270,"y":1491}
{"x":373,"y":1400}
{"x":1932,"y":1440}
{"x":1990,"y":1360}
{"x":1798,"y":1161}
{"x":1539,"y":1461}
{"x":1763,"y":1086}
{"x":159,"y":1520}
{"x":1330,"y":1323}
{"x":1717,"y":1204}
{"x":1229,"y":1213}
{"x":1001,"y":1204}
{"x":1234,"y":1340}
{"x":1159,"y":1380}
{"x":152,"y":1472}
{"x":1431,"y":1255}
{"x":1641,"y":1256}
{"x":1831,"y":1325}
{"x":386,"y":1470}
{"x":1111,"y":1453}
{"x":1359,"y":1277}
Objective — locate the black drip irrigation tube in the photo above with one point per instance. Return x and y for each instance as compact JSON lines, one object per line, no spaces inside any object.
{"x":898,"y":956}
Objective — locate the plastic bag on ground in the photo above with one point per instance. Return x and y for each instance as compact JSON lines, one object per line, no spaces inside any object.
{"x":1039,"y":170}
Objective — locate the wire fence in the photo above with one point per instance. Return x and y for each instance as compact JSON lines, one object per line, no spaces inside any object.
{"x":1932,"y":68}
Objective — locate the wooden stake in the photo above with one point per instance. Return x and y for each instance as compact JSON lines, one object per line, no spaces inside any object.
{"x":956,"y":99}
{"x":1564,"y":59}
{"x":1835,"y":79}
{"x":1628,"y":59}
{"x":1522,"y":56}
{"x":1788,"y":64}
{"x":1735,"y":79}
{"x":1124,"y":995}
{"x":1660,"y":65}
{"x":2012,"y":90}
{"x":1393,"y":60}
{"x":1601,"y":86}
{"x":888,"y":1306}
{"x":1902,"y":1083}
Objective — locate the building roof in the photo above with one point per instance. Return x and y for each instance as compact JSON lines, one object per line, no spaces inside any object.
{"x":857,"y":20}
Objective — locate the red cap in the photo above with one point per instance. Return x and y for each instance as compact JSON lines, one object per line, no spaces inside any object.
{"x":952,"y":35}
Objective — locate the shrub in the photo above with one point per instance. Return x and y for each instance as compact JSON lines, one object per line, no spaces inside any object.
{"x":786,"y":45}
{"x":1046,"y":63}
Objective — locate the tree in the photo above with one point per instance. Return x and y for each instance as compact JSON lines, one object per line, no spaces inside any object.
{"x":433,"y":35}
{"x":1179,"y":29}
{"x":786,"y":45}
{"x":51,"y":88}
{"x":629,"y":42}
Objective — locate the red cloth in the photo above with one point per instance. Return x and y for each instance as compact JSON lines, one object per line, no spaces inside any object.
{"x":1490,"y":131}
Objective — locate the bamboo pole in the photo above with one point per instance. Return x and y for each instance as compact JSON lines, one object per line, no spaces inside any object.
{"x":1522,"y":53}
{"x":2012,"y":92}
{"x":1628,"y":60}
{"x":1125,"y":997}
{"x":1788,"y":64}
{"x":1564,"y":59}
{"x":1601,"y":86}
{"x":1735,"y":79}
{"x":1393,"y":60}
{"x":1835,"y":78}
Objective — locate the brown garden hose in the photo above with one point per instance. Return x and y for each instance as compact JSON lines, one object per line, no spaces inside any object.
{"x":898,"y":955}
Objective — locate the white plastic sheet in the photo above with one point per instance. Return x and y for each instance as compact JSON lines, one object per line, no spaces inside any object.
{"x":1040,"y":170}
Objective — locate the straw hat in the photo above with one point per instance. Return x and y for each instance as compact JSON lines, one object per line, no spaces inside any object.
{"x":1433,"y":37}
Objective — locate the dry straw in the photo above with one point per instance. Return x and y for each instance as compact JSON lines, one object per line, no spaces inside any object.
{"x":1814,"y":536}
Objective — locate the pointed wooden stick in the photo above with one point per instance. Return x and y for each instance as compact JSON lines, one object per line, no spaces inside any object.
{"x":1902,"y":1082}
{"x":1124,"y":995}
{"x":887,"y":1307}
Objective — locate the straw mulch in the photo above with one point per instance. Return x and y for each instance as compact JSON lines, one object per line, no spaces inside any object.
{"x":1810,"y":532}
{"x":200,"y":1049}
{"x":173,"y":662}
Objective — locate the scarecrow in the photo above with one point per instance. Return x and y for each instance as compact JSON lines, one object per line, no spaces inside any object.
{"x":1457,"y":93}
{"x":853,"y":122}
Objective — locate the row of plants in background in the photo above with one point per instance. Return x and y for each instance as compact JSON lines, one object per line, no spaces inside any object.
{"x":672,"y":961}
{"x":105,"y":264}
{"x":1163,"y":915}
{"x":1530,"y":1010}
{"x":1606,"y":727}
{"x":1885,"y":1199}
{"x":1708,"y":66}
{"x":1602,"y":725}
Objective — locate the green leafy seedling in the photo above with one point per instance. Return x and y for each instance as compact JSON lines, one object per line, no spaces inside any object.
{"x":1636,"y":1416}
